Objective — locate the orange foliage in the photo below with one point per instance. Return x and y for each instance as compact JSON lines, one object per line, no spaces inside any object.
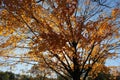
{"x":67,"y":40}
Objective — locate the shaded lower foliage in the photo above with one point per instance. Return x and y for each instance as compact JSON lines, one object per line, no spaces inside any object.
{"x":7,"y":76}
{"x":102,"y":76}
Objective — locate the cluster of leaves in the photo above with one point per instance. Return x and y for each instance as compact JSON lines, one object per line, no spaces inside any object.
{"x":65,"y":33}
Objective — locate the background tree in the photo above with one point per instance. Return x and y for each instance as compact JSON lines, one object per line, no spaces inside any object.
{"x":70,"y":37}
{"x":100,"y":72}
{"x":40,"y":72}
{"x":7,"y":76}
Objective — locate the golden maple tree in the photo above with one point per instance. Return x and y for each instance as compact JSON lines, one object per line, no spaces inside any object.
{"x":71,"y":37}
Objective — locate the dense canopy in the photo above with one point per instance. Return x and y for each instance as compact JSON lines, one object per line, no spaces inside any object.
{"x":73,"y":38}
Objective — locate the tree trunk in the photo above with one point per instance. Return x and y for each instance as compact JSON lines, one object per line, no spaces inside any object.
{"x":76,"y":72}
{"x":76,"y":77}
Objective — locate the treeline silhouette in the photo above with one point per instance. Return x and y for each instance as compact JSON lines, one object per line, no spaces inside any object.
{"x":12,"y":76}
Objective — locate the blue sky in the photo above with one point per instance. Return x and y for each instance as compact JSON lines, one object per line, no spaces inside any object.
{"x":113,"y":62}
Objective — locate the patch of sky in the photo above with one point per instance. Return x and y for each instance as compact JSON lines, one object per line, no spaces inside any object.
{"x":113,"y":62}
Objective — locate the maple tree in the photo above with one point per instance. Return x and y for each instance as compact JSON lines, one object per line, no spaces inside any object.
{"x":71,"y":37}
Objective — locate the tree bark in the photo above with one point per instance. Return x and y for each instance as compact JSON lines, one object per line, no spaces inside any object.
{"x":76,"y":72}
{"x":76,"y":78}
